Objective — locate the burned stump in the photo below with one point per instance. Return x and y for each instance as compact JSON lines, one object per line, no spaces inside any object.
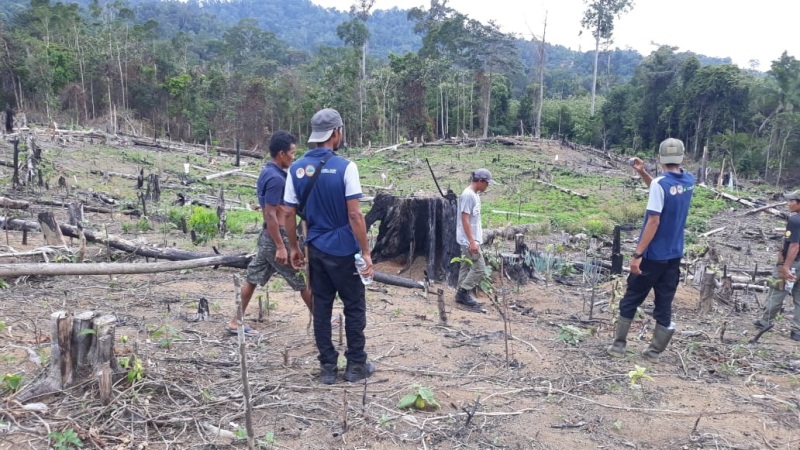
{"x":82,"y":348}
{"x":417,"y":226}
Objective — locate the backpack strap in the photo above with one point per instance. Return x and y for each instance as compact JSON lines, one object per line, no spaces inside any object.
{"x":301,"y":207}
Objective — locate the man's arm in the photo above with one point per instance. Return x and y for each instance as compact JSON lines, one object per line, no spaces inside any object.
{"x":359,"y":227}
{"x":272,"y":217}
{"x":638,"y":166}
{"x":290,"y":223}
{"x":649,"y":232}
{"x":473,"y":246}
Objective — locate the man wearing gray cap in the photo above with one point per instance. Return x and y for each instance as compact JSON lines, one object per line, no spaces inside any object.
{"x":469,"y":234}
{"x":785,"y":270}
{"x":324,"y":188}
{"x":655,"y":265}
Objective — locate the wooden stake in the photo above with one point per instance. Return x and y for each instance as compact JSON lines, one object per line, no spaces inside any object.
{"x":248,"y":409}
{"x":440,"y":302}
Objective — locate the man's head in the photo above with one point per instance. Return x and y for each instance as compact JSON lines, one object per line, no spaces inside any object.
{"x":282,"y":146}
{"x":326,"y":129}
{"x":793,"y":200}
{"x":671,"y":152}
{"x":481,"y":179}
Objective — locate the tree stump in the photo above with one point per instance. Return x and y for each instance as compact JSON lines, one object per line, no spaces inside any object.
{"x":75,"y":213}
{"x":81,"y":347}
{"x":707,"y":292}
{"x":153,"y":192}
{"x":50,"y":228}
{"x":417,"y":226}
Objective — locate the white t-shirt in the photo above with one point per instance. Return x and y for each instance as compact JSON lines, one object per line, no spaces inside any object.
{"x":469,"y":203}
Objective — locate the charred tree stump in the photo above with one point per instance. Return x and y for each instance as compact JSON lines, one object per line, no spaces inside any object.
{"x":417,"y":226}
{"x":222,"y":226}
{"x":9,"y":119}
{"x":140,"y":179}
{"x":75,"y":213}
{"x":34,"y":157}
{"x":82,"y":347}
{"x":51,"y":229}
{"x":153,"y":193}
{"x":707,"y":292}
{"x":15,"y":177}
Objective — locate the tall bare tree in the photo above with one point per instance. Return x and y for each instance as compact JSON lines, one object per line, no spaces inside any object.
{"x":599,"y":18}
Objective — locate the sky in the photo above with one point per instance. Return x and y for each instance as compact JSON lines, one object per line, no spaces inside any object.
{"x":742,"y":31}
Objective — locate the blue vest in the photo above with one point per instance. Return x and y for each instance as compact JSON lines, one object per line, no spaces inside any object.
{"x":668,"y":241}
{"x":326,"y":208}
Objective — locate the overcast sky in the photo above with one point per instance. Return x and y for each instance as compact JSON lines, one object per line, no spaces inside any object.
{"x":743,"y":31}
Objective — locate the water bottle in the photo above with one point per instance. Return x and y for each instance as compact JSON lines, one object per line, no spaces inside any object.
{"x":790,"y":284}
{"x":361,"y":265}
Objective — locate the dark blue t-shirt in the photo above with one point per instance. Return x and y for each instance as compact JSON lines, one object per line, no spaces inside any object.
{"x":326,"y":208}
{"x":270,"y":185}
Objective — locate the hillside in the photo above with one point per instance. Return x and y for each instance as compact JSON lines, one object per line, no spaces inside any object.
{"x":539,"y":379}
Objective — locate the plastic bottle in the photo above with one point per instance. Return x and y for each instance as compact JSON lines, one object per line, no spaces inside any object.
{"x":790,"y":284}
{"x":361,"y":265}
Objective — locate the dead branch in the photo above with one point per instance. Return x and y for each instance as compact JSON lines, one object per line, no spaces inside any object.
{"x":563,"y":189}
{"x":13,"y":204}
{"x":53,"y":269}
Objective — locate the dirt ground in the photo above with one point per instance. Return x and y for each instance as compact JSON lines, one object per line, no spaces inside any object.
{"x":512,"y":384}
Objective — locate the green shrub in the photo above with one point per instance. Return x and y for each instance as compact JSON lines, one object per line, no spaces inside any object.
{"x":204,"y":222}
{"x":238,"y":220}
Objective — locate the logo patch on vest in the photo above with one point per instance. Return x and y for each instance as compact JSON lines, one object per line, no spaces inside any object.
{"x":673,"y":190}
{"x":788,"y":234}
{"x":300,"y":172}
{"x":310,"y":170}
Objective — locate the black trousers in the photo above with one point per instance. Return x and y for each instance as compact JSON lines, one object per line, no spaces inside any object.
{"x":331,"y":275}
{"x":663,"y":278}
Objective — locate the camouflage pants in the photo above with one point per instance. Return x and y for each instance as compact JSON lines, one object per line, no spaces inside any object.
{"x":263,"y":265}
{"x":470,"y":275}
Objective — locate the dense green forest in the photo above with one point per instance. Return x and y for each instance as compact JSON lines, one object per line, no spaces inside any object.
{"x":215,"y":71}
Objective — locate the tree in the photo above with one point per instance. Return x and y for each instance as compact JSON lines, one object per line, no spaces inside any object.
{"x":599,"y":18}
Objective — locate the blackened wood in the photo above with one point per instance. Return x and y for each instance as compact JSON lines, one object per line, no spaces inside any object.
{"x":51,"y":229}
{"x":15,"y":177}
{"x":75,"y":213}
{"x":153,"y":188}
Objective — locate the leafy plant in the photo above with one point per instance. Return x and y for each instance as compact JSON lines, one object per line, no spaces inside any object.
{"x":3,"y":284}
{"x":135,"y":373}
{"x":65,"y":440}
{"x":571,"y":334}
{"x":12,"y":381}
{"x":2,"y":325}
{"x":240,"y":433}
{"x":268,"y":441}
{"x":165,"y":334}
{"x":638,"y":374}
{"x":204,"y":223}
{"x":422,"y":399}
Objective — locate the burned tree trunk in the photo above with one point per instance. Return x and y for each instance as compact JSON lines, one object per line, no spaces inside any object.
{"x":75,"y":213}
{"x":707,"y":291}
{"x":15,"y":177}
{"x":153,"y":193}
{"x":51,"y":229}
{"x":416,"y":226}
{"x":81,"y":348}
{"x":34,"y":158}
{"x":222,"y":225}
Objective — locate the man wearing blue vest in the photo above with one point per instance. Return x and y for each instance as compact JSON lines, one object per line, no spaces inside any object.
{"x":656,"y":262}
{"x":324,"y":189}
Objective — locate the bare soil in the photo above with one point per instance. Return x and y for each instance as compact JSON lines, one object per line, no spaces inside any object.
{"x":501,"y":384}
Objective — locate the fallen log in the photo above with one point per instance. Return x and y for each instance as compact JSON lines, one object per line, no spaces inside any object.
{"x":398,"y":281}
{"x":764,"y":208}
{"x":55,"y":269}
{"x":114,"y":174}
{"x":562,"y":189}
{"x":97,"y":209}
{"x":745,"y":202}
{"x":212,"y":176}
{"x":13,"y":204}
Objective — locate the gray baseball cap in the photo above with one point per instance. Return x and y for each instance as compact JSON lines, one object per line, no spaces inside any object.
{"x":671,"y":151}
{"x":323,"y":123}
{"x":483,"y":175}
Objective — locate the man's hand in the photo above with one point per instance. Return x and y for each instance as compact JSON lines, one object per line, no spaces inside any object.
{"x":635,"y":269}
{"x":368,"y":271}
{"x":297,"y":257}
{"x":473,"y":247}
{"x":785,"y":274}
{"x":281,"y":255}
{"x":638,"y":164}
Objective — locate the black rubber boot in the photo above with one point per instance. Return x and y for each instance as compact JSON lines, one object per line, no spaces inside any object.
{"x":463,"y":297}
{"x":661,"y":337}
{"x":357,"y":372}
{"x":327,"y":373}
{"x":617,"y":348}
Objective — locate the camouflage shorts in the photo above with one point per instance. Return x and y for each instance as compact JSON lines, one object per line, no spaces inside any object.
{"x":263,"y":265}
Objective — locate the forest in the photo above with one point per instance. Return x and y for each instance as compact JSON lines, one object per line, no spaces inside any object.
{"x":218,"y":72}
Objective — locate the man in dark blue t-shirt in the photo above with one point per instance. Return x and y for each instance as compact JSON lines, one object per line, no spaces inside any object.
{"x":336,"y":232}
{"x":787,"y":261}
{"x":656,"y":262}
{"x":272,"y":255}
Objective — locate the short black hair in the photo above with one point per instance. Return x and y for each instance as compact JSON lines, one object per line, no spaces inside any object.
{"x":281,"y":141}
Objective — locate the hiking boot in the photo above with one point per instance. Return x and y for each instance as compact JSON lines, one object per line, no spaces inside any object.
{"x":759,"y":324}
{"x":661,"y":337}
{"x":795,"y":336}
{"x":327,"y":373}
{"x":617,"y":348}
{"x":357,"y":372}
{"x":464,"y":298}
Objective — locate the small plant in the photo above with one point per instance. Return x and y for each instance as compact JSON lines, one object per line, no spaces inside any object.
{"x":135,"y":373}
{"x":240,"y":433}
{"x":268,"y":441}
{"x":204,"y":223}
{"x":571,"y":334}
{"x":617,"y":425}
{"x":2,"y":324}
{"x":385,"y":421}
{"x":12,"y":381}
{"x":165,"y":334}
{"x":638,"y":374}
{"x":422,"y":399}
{"x":65,"y":440}
{"x":3,"y":284}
